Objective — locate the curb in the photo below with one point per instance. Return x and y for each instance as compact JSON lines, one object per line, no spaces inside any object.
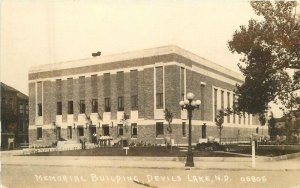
{"x":165,"y":168}
{"x":284,"y":157}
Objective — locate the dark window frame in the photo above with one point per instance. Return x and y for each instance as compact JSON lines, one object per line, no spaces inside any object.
{"x":40,"y":109}
{"x":69,"y":132}
{"x":215,"y":102}
{"x":70,"y":107}
{"x":134,"y":130}
{"x":183,"y":129}
{"x":104,"y":129}
{"x":120,"y":130}
{"x":39,"y":133}
{"x":59,"y":108}
{"x":94,"y":105}
{"x":80,"y":130}
{"x":159,"y":100}
{"x":107,"y":104}
{"x":82,"y":107}
{"x":121,"y":103}
{"x":159,"y":129}
{"x":134,"y":102}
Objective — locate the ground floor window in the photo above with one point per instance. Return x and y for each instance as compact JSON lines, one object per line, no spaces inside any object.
{"x":39,"y":132}
{"x":204,"y":131}
{"x":133,"y":130}
{"x":80,"y":131}
{"x":69,"y":132}
{"x":105,"y":130}
{"x":58,"y":133}
{"x":183,"y":129}
{"x":120,"y":130}
{"x":159,"y":128}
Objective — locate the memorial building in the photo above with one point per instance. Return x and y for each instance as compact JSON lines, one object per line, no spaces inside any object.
{"x":125,"y":95}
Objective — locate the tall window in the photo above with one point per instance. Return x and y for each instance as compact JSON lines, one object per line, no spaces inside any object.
{"x":183,"y":129}
{"x":120,"y":130}
{"x":39,"y":133}
{"x":21,"y":108}
{"x":94,"y":106}
{"x":159,"y":100}
{"x":105,"y":130}
{"x":69,"y":133}
{"x":40,"y":109}
{"x":228,"y":106}
{"x":134,"y":102}
{"x":204,"y":131}
{"x":80,"y":131}
{"x":70,"y":107}
{"x":82,"y":106}
{"x":133,"y":130}
{"x":233,"y":101}
{"x":121,"y":103}
{"x":222,"y":100}
{"x":26,"y":109}
{"x":107,"y":104}
{"x":202,"y":101}
{"x":159,"y":128}
{"x":215,"y":101}
{"x":58,"y":108}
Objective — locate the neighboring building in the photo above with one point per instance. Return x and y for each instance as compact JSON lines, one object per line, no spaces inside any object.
{"x":14,"y":117}
{"x":79,"y":98}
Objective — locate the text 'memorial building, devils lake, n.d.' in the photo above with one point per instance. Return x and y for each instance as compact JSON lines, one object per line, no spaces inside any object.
{"x":76,"y":99}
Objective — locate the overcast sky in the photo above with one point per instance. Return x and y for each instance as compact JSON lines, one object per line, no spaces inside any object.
{"x":40,"y":32}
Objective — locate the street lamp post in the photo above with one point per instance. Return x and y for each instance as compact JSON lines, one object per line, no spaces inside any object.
{"x":190,"y":105}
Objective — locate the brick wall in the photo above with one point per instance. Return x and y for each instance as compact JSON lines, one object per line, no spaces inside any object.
{"x":32,"y":103}
{"x":148,"y":95}
{"x":172,"y":88}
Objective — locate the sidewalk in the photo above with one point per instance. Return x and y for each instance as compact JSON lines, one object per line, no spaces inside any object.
{"x":215,"y":163}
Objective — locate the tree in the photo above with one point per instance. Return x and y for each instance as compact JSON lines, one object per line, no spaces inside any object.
{"x":219,"y":119}
{"x":271,"y":126}
{"x":270,"y":47}
{"x":262,"y":120}
{"x":169,"y":119}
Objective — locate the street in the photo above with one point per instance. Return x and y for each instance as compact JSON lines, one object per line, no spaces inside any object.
{"x":65,"y":172}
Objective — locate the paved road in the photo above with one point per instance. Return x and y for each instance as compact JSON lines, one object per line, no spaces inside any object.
{"x":25,"y":171}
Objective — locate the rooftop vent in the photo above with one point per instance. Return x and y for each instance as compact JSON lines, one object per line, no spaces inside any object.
{"x":96,"y":54}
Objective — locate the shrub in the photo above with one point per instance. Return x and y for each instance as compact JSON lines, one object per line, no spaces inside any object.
{"x":213,"y":146}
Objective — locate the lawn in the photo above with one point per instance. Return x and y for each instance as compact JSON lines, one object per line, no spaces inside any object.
{"x":135,"y":151}
{"x":264,"y":152}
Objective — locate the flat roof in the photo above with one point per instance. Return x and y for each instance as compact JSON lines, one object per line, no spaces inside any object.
{"x":151,"y":52}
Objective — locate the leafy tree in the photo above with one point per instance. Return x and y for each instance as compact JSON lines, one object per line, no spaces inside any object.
{"x":270,"y":47}
{"x":169,"y":119}
{"x":219,"y":119}
{"x":271,"y":127}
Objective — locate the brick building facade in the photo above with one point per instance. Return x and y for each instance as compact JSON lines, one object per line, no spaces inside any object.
{"x":76,"y":99}
{"x":14,"y":117}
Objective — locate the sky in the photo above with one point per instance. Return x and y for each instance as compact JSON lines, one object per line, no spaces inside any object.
{"x":41,"y":32}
